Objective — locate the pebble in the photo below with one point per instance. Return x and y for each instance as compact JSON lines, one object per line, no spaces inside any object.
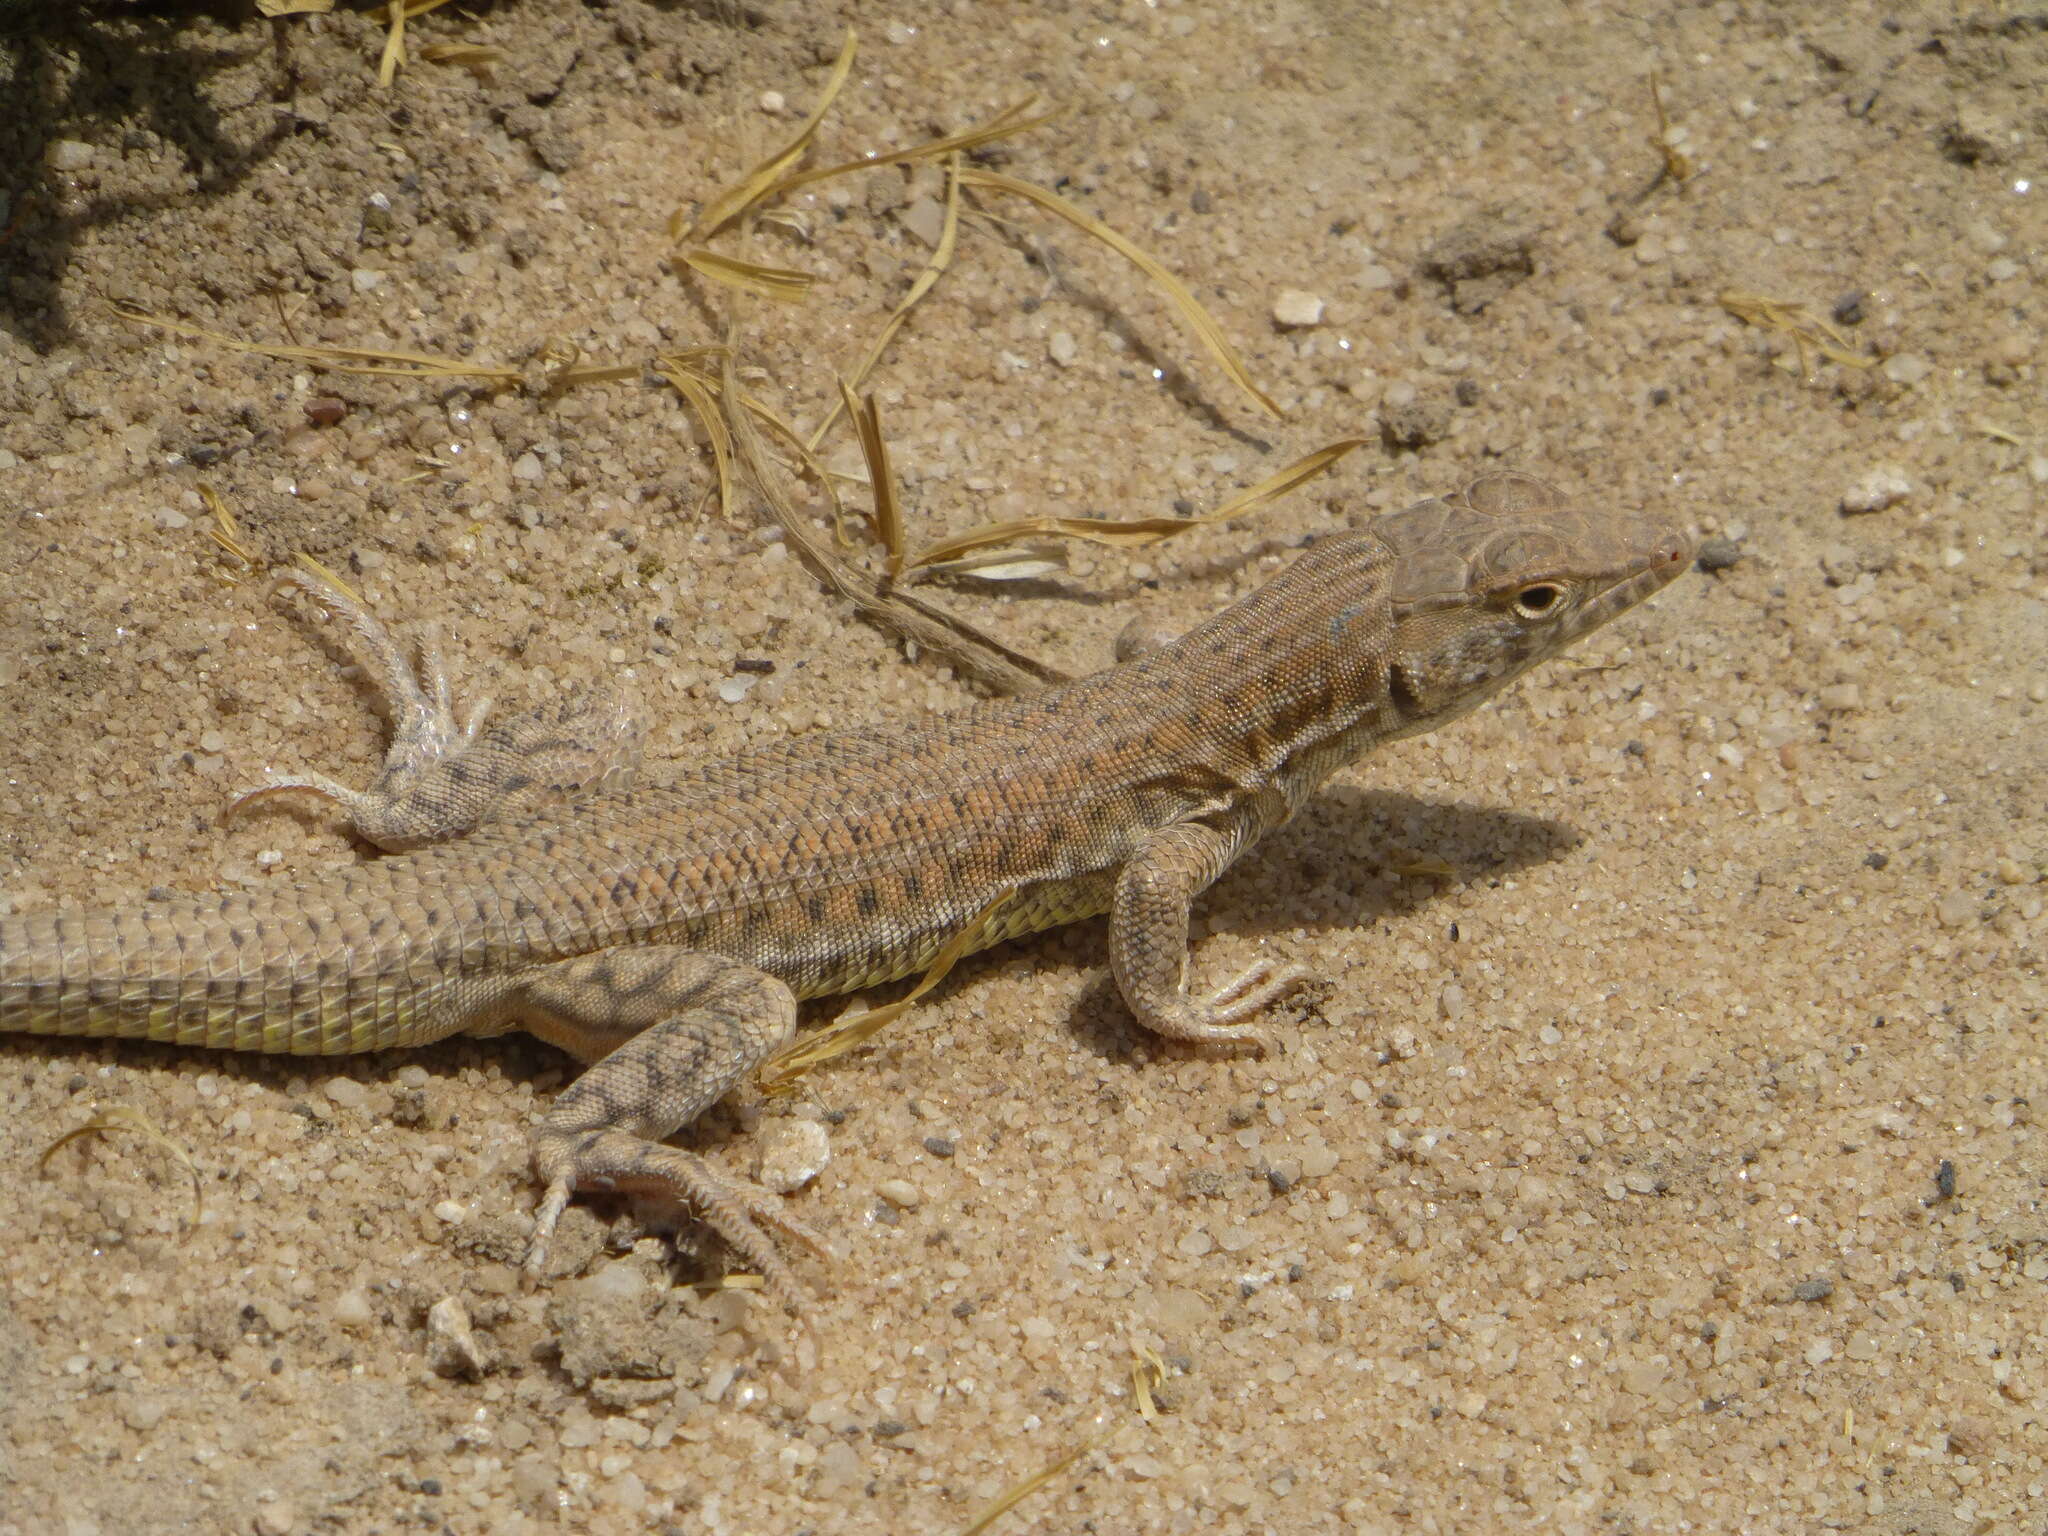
{"x":1954,"y":909}
{"x":901,"y":1193}
{"x":274,"y":1517}
{"x":733,"y":689}
{"x":345,"y":1091}
{"x":451,"y":1343}
{"x":1907,"y":368}
{"x":926,"y":219}
{"x":772,"y":102}
{"x":352,"y":1309}
{"x":1719,"y":554}
{"x":790,"y":1153}
{"x":1296,"y":308}
{"x":68,"y":155}
{"x":1063,"y":348}
{"x":1876,"y":489}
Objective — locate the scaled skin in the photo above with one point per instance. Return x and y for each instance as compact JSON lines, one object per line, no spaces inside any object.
{"x":663,"y":931}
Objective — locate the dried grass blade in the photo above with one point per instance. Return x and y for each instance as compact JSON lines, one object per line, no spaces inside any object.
{"x":394,"y":47}
{"x":887,"y":520}
{"x":341,"y":359}
{"x":1024,"y":562}
{"x":1005,"y":124}
{"x":126,"y":1117}
{"x":785,"y":285}
{"x":226,"y":532}
{"x":1131,"y":532}
{"x":898,"y":613}
{"x":1024,"y":1487}
{"x":411,"y":10}
{"x":1808,"y":331}
{"x":752,"y":187}
{"x":1276,"y":485}
{"x":702,"y":399}
{"x":478,"y":58}
{"x":804,"y":456}
{"x":934,"y":269}
{"x":1198,"y":318}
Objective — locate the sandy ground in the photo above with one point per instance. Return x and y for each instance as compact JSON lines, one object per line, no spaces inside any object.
{"x":1671,"y":1163}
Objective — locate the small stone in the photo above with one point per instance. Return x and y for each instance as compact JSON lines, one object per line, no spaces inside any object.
{"x":926,"y":219}
{"x":1819,"y":1288}
{"x":1062,"y":348}
{"x":733,"y":689}
{"x":1876,"y":489}
{"x":344,"y":1091}
{"x":1718,"y":554}
{"x":1954,"y":909}
{"x":1841,"y":697}
{"x":790,"y":1153}
{"x":451,"y":1211}
{"x":68,"y":155}
{"x":901,"y":1193}
{"x":1907,"y":368}
{"x":365,"y":280}
{"x":142,"y":1414}
{"x":275,"y":1517}
{"x":352,"y":1309}
{"x":452,"y":1349}
{"x":772,"y":102}
{"x":943,"y":1146}
{"x":1296,"y":309}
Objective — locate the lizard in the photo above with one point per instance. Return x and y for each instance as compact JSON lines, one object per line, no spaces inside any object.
{"x":663,"y":930}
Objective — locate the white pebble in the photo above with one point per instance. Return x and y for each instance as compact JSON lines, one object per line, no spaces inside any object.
{"x":900,"y":1193}
{"x":772,"y":102}
{"x":452,"y":1349}
{"x":1876,"y":489}
{"x":732,"y":689}
{"x":1293,"y":307}
{"x":1907,"y":368}
{"x":68,"y":155}
{"x":352,"y":1309}
{"x":790,"y":1153}
{"x":345,"y":1091}
{"x":1063,"y":348}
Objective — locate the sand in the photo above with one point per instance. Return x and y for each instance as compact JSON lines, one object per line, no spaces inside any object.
{"x":1660,"y":1152}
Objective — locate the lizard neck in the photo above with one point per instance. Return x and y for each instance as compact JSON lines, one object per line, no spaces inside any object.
{"x":1269,"y":697}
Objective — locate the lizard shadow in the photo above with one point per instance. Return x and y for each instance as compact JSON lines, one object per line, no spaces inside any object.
{"x":1340,"y":864}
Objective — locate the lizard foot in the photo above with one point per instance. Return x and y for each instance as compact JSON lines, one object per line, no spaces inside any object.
{"x":615,"y":1160}
{"x":1212,"y":1020}
{"x":442,"y":776}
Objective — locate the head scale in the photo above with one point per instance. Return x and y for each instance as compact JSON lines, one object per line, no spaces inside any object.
{"x":1505,"y":573}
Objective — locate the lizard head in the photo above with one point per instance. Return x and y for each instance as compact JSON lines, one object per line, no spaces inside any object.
{"x":1502,"y":575}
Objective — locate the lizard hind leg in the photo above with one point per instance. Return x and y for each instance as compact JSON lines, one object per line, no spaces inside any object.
{"x":442,"y":778}
{"x":669,"y":1031}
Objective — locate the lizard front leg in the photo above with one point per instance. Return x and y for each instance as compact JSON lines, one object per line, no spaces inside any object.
{"x":1148,"y":940}
{"x":442,"y":778}
{"x":669,"y":1031}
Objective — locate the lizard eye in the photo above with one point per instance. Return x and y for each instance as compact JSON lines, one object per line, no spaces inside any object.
{"x":1537,"y":599}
